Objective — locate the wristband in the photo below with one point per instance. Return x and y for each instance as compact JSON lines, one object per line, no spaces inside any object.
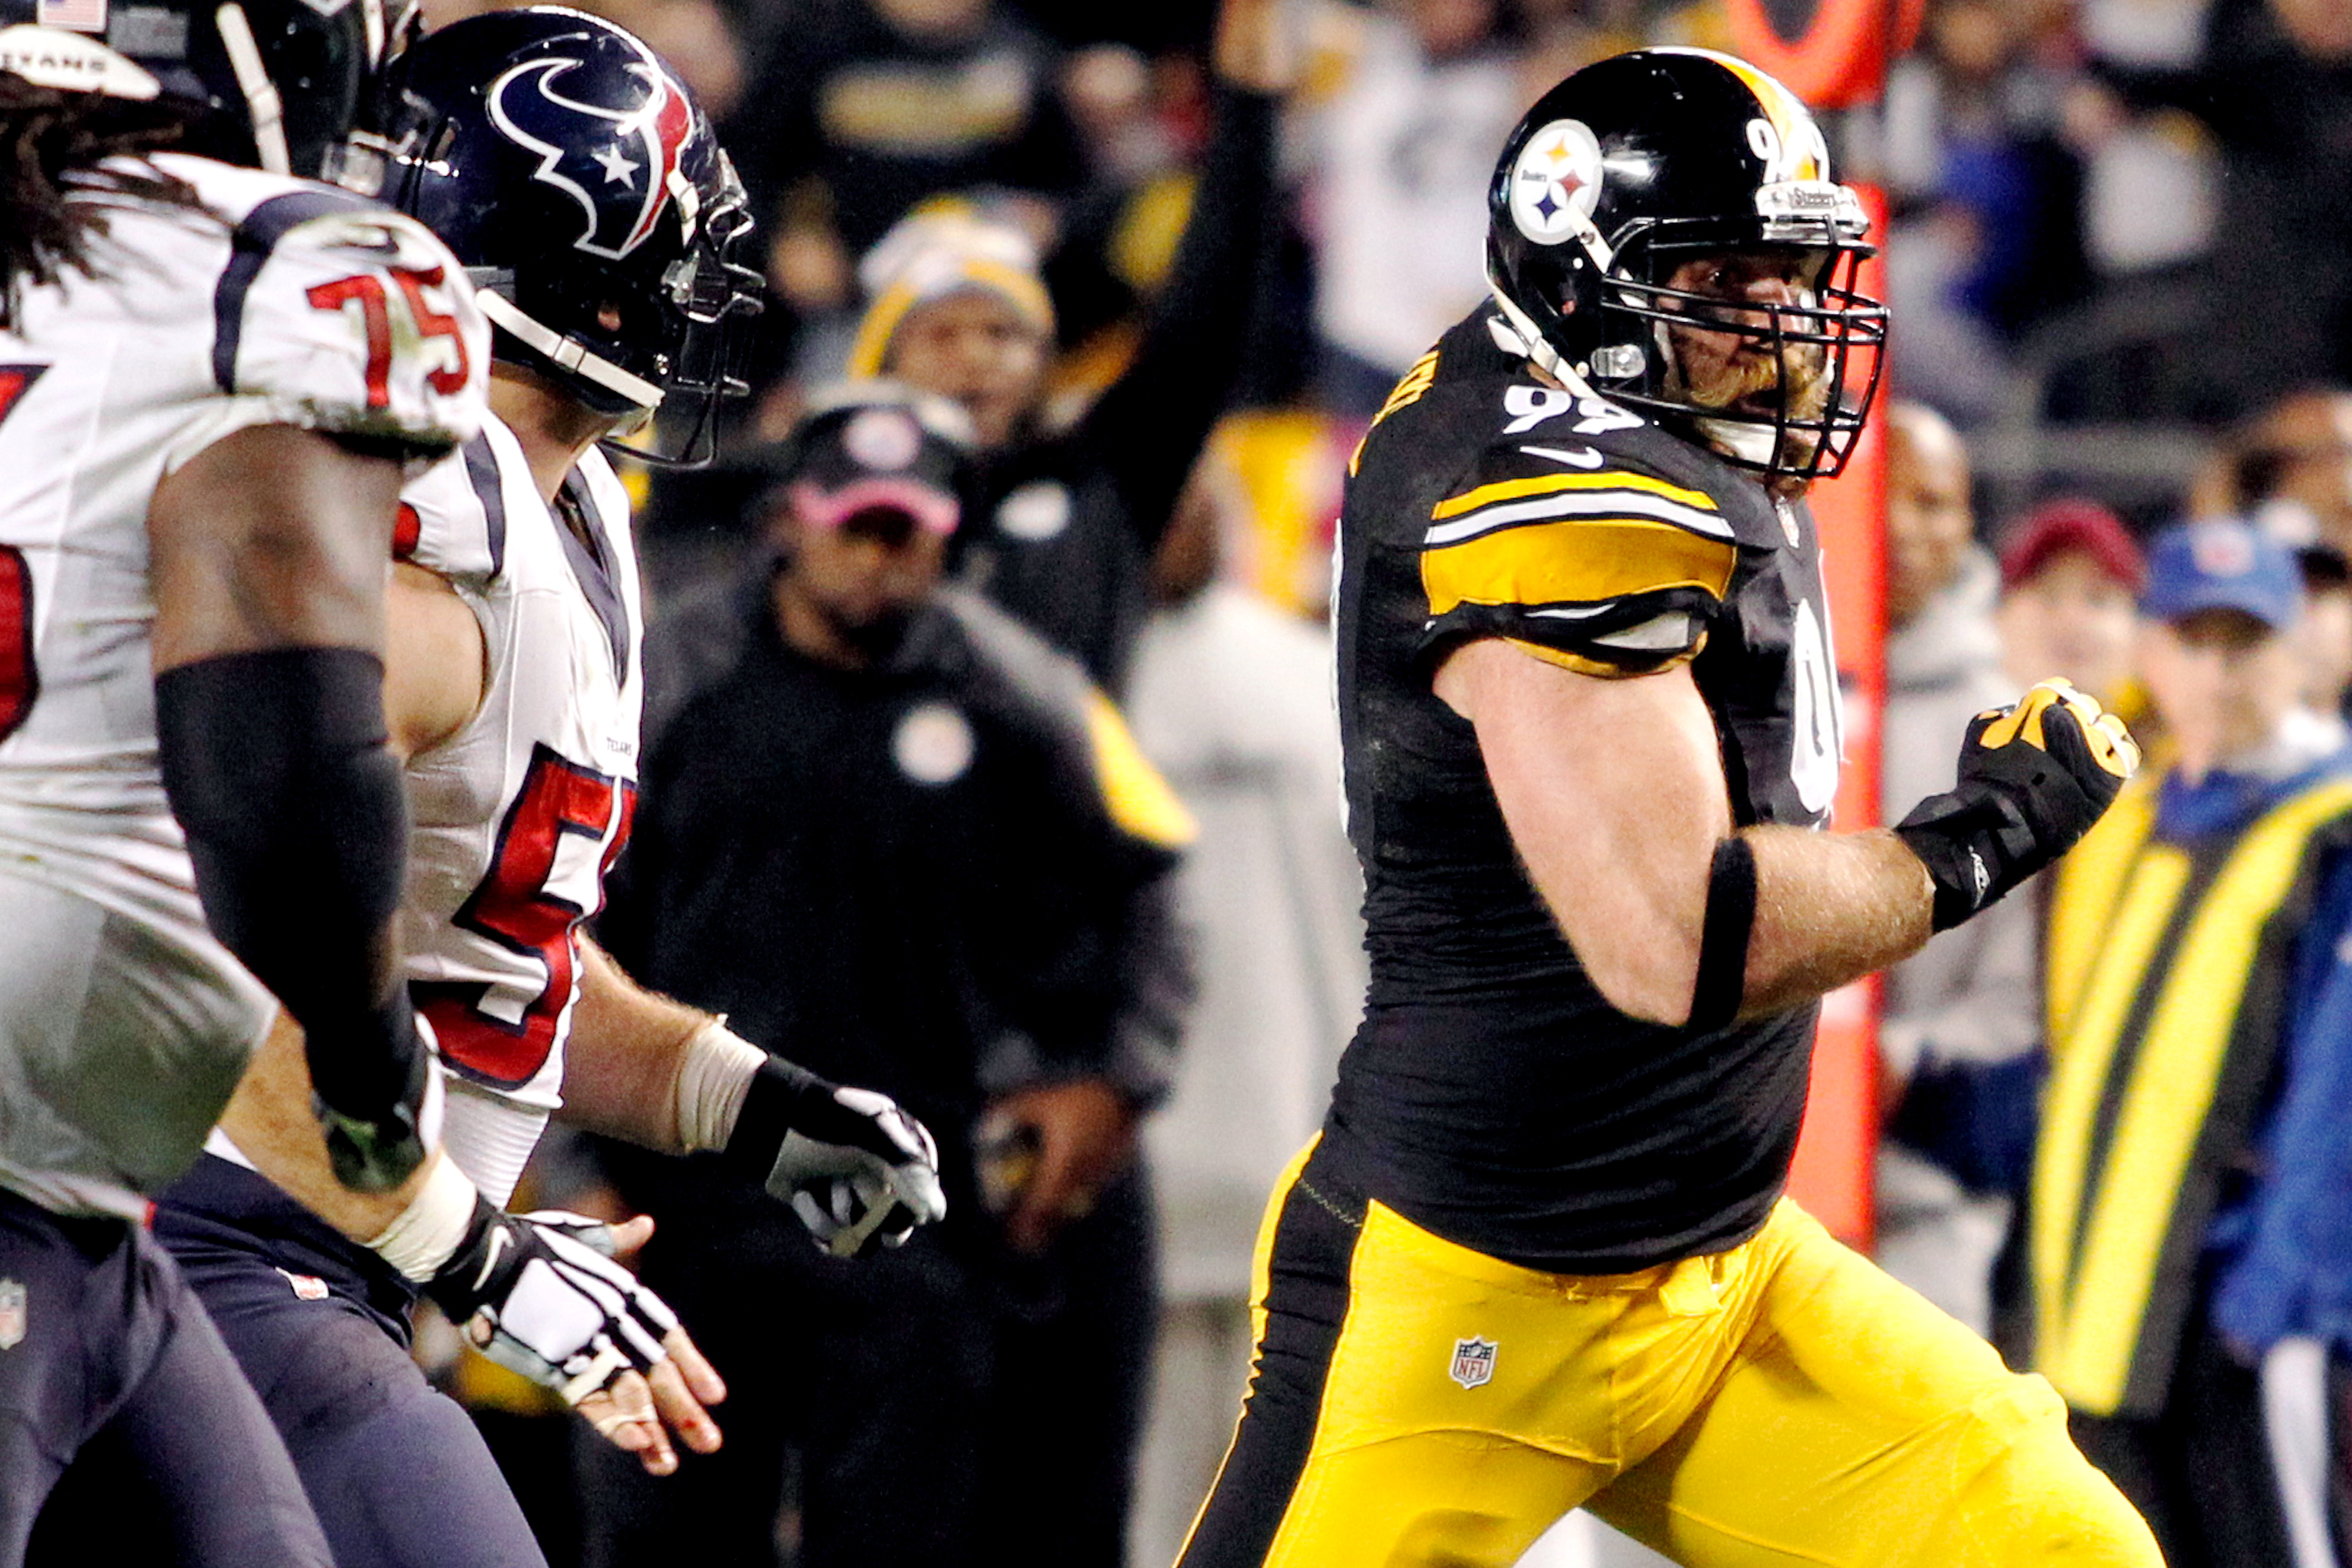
{"x":435,"y":1225}
{"x":714,"y":1079}
{"x":1723,"y":942}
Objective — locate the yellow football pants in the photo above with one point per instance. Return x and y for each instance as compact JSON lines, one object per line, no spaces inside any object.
{"x":1415,"y":1402}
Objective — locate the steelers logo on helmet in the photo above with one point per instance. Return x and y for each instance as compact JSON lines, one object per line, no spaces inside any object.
{"x":1557,"y":182}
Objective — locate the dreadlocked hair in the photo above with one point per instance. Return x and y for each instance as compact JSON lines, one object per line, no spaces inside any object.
{"x":51,"y":144}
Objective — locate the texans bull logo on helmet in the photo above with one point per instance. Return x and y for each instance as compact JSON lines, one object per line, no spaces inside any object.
{"x":637,"y":157}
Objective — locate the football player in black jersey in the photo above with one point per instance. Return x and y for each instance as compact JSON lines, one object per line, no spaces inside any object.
{"x":1540,"y":1256}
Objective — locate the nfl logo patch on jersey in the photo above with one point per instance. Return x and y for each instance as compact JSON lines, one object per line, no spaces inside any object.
{"x":1474,"y":1362}
{"x":13,"y":1316}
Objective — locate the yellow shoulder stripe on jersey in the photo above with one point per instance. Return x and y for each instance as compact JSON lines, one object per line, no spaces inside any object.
{"x":1408,"y":389}
{"x":1601,"y":668}
{"x":1140,"y":799}
{"x":1583,"y":561}
{"x":1548,"y":484}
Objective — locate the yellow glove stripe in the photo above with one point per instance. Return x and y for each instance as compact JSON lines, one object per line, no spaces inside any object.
{"x":2110,"y":743}
{"x":2024,"y":720}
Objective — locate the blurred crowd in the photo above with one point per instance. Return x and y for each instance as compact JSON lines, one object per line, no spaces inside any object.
{"x":1160,"y":265}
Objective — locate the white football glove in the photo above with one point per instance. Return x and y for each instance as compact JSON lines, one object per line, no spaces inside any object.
{"x":540,"y":1294}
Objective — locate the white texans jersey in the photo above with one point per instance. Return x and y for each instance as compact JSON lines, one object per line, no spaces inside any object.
{"x":262,"y":301}
{"x":515,"y":819}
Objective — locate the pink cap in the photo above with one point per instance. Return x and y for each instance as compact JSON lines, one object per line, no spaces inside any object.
{"x":2072,"y":522}
{"x":934,"y":511}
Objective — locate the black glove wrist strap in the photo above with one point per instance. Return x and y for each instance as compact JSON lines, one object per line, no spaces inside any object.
{"x":1976,"y":848}
{"x":775,"y":1106}
{"x":474,"y":1272}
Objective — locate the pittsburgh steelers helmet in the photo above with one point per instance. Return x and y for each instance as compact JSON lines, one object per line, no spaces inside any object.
{"x":571,"y":170}
{"x":1638,"y":163}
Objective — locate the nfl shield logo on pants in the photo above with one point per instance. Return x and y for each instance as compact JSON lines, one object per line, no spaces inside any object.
{"x":1473,"y":1360}
{"x":12,"y":1313}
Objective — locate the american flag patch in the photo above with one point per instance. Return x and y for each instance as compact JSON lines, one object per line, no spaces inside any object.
{"x":81,"y":16}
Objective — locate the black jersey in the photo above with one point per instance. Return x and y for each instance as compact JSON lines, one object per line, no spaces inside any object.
{"x":1492,"y":1094}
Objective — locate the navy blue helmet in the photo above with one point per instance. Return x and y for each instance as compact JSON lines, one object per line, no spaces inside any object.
{"x":270,"y":84}
{"x":572,"y":172}
{"x":1639,"y":164}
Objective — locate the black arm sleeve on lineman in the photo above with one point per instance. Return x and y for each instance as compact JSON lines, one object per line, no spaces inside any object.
{"x":1147,"y":430}
{"x":277,"y":766}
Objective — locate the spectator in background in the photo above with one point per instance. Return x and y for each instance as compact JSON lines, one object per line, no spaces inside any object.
{"x":1986,"y":241}
{"x":2289,"y":469}
{"x":1398,"y":193}
{"x":896,"y":829}
{"x":1232,"y":700}
{"x":2274,"y":84}
{"x":1958,"y":1035}
{"x":2326,"y":633}
{"x":866,"y":108}
{"x":1067,"y":522}
{"x":2069,"y":575}
{"x":2192,"y":1191}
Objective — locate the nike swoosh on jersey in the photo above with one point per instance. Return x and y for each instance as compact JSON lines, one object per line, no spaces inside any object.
{"x":1587,"y":458}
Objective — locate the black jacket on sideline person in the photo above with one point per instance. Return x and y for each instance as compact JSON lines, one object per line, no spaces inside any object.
{"x":913,"y":877}
{"x":934,"y":878}
{"x":1068,"y":522}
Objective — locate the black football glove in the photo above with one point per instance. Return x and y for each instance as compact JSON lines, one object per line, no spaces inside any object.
{"x":2033,"y":779}
{"x":540,"y":1295}
{"x":854,"y":1165}
{"x":369,"y":1097}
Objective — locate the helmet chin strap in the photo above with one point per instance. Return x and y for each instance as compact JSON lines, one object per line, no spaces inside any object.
{"x":262,"y":105}
{"x":1750,"y":443}
{"x":566,"y":355}
{"x":1538,"y":347}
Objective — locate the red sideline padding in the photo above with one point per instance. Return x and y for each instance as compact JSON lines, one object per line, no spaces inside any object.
{"x":1838,"y":57}
{"x":1833,"y":1174}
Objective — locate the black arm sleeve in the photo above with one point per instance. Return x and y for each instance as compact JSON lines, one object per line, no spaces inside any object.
{"x":1147,"y":430}
{"x":277,"y":766}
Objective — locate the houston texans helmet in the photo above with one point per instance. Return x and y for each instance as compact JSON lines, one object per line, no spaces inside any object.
{"x":1640,"y":163}
{"x":572,"y":172}
{"x":270,"y":84}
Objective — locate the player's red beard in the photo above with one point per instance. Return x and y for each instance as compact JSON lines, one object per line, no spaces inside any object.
{"x":1747,"y":381}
